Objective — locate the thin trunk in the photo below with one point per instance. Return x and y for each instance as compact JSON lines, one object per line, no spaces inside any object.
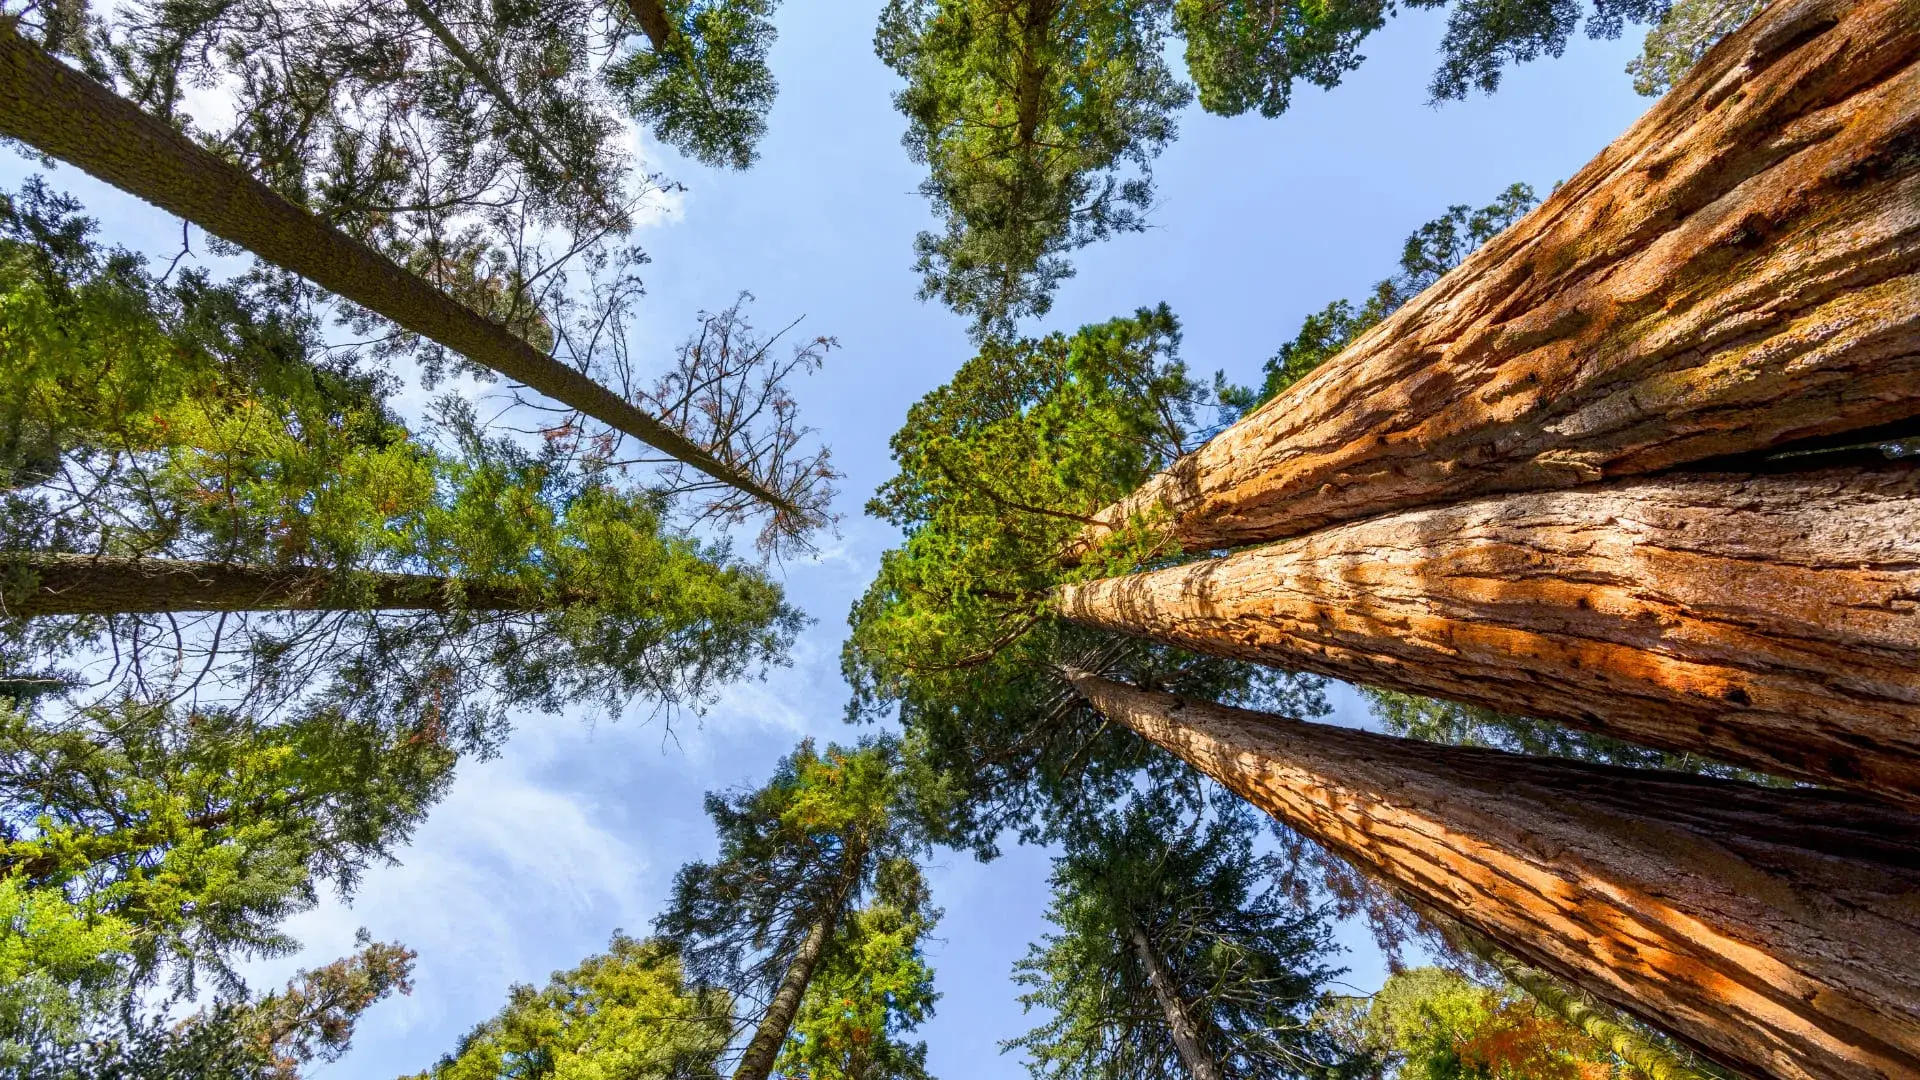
{"x":1766,"y":621}
{"x":1772,"y":930}
{"x":1644,"y":1058}
{"x":756,"y":1063}
{"x":69,"y":584}
{"x":1186,"y":1037}
{"x":60,"y":112}
{"x":1740,"y":269}
{"x":653,"y":20}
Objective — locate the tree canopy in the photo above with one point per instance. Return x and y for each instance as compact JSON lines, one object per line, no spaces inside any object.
{"x":1168,"y":917}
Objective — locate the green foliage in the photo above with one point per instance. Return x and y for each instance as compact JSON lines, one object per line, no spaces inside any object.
{"x":626,"y":1014}
{"x":872,"y":986}
{"x":708,"y":91}
{"x":1038,"y":121}
{"x":59,"y":970}
{"x":239,"y":1037}
{"x":999,"y":470}
{"x":187,"y":422}
{"x":807,"y":846}
{"x":1433,"y":249}
{"x":199,"y":831}
{"x":1247,"y":54}
{"x":1434,"y":1024}
{"x":1247,"y":962}
{"x":1684,"y":34}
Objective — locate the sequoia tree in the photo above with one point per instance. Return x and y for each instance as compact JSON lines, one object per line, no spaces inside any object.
{"x":796,"y":859}
{"x":1711,"y":284}
{"x":1177,"y":954}
{"x":1759,"y":926}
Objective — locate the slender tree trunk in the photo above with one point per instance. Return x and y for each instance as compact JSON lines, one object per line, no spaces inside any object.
{"x":1773,"y":930}
{"x":1186,"y":1037}
{"x":1767,"y":621}
{"x":68,"y":584}
{"x":1740,"y":269}
{"x":60,"y":112}
{"x":1644,"y":1058}
{"x":756,"y":1063}
{"x":652,"y":17}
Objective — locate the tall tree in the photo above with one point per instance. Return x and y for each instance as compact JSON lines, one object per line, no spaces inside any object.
{"x":1037,"y":120}
{"x":1177,"y":954}
{"x":187,"y":447}
{"x":198,"y":832}
{"x":796,"y":859}
{"x":65,"y":114}
{"x":243,"y":1037}
{"x":1724,"y":894}
{"x":1616,"y":342}
{"x":1433,"y":1024}
{"x":626,"y":1014}
{"x":1736,"y":617}
{"x":873,"y":986}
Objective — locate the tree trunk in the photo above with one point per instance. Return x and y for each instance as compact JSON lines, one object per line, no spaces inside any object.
{"x":1773,"y":930}
{"x":1740,"y":269}
{"x":652,"y":17}
{"x":1186,"y":1038}
{"x":1767,"y":621}
{"x":69,"y":584}
{"x":756,"y":1063}
{"x":60,"y":112}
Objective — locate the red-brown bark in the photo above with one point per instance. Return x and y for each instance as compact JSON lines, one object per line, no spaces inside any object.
{"x":1739,"y":270}
{"x":1774,"y":930}
{"x":1768,"y":621}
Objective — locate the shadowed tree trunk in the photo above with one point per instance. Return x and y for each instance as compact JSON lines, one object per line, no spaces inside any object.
{"x":653,"y":20}
{"x":1740,"y":269}
{"x":1186,"y":1038}
{"x":1773,"y":930}
{"x":1767,"y":621}
{"x":756,"y":1063}
{"x":67,"y":584}
{"x":62,"y":113}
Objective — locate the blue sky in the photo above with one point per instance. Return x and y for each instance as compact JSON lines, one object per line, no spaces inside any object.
{"x":536,"y":857}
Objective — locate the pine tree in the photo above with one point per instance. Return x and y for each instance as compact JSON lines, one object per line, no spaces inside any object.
{"x":176,"y":451}
{"x":797,"y":856}
{"x":626,"y":1014}
{"x":1177,"y":954}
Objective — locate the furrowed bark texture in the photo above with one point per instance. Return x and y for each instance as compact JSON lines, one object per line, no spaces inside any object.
{"x":1774,"y":930}
{"x":62,"y":113}
{"x":1768,"y":621}
{"x":757,"y":1061}
{"x":1186,"y":1038}
{"x":1740,"y":269}
{"x":66,"y":584}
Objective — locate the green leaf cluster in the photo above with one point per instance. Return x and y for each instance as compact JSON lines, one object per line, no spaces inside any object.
{"x":626,"y":1014}
{"x":1248,"y":964}
{"x":1435,"y":1024}
{"x":707,"y":93}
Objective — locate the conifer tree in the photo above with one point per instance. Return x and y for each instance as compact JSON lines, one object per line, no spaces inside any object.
{"x":1177,"y":954}
{"x":626,"y":1014}
{"x":176,"y":448}
{"x":797,"y":858}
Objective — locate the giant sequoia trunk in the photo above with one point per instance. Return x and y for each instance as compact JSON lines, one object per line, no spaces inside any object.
{"x":1774,"y":930}
{"x":756,"y":1063}
{"x":1767,"y":621}
{"x":1740,"y":269}
{"x":1186,"y":1037}
{"x":66,"y":584}
{"x":57,"y":111}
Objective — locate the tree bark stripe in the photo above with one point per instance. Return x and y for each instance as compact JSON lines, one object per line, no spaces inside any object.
{"x":1771,"y":929}
{"x":62,"y":113}
{"x":55,"y":583}
{"x":1741,"y":269}
{"x":1763,"y":620}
